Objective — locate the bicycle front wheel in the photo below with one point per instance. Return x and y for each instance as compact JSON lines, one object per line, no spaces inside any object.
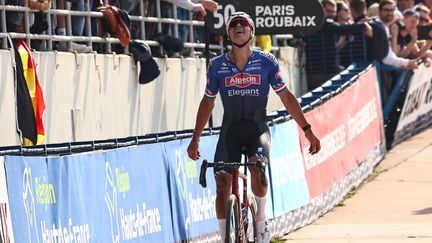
{"x":251,"y":230}
{"x":232,"y":234}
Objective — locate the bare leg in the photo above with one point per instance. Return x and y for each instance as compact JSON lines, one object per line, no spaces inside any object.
{"x":223,"y":189}
{"x":258,"y":189}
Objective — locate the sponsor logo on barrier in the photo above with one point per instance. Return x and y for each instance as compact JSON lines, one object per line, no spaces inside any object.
{"x":29,"y":203}
{"x":112,"y":203}
{"x":132,"y":224}
{"x":70,"y":233}
{"x":143,"y":221}
{"x":330,"y":145}
{"x":41,"y":192}
{"x":417,"y":110}
{"x":201,"y":206}
{"x":346,"y":137}
{"x":343,"y":134}
{"x":417,"y":97}
{"x":286,"y":172}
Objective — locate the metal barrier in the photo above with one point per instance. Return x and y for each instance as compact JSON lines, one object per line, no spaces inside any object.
{"x":322,"y":55}
{"x":49,"y":37}
{"x":78,"y":147}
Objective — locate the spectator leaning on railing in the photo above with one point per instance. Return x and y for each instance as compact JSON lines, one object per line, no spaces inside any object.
{"x":77,"y":25}
{"x":14,"y":18}
{"x":343,"y":44}
{"x":404,"y":37}
{"x":386,"y":16}
{"x":41,"y":5}
{"x":377,"y":45}
{"x":196,"y":6}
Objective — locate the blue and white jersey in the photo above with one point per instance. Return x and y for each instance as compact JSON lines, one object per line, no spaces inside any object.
{"x":244,"y":94}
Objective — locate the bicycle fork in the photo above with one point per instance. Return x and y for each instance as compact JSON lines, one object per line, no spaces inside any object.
{"x":242,"y":205}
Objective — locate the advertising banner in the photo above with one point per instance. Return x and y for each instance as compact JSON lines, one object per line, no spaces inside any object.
{"x":137,"y":194}
{"x":32,"y":199}
{"x":94,"y":197}
{"x":6,"y":232}
{"x":287,"y":175}
{"x":271,"y":16}
{"x":194,"y":210}
{"x":417,"y":110}
{"x":349,"y":127}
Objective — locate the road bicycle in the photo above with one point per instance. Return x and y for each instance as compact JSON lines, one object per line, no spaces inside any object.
{"x":237,"y":222}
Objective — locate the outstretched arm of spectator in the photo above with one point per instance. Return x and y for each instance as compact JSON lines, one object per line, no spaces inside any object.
{"x":199,"y":8}
{"x":189,"y":5}
{"x":210,"y":5}
{"x":346,"y":29}
{"x":423,"y":50}
{"x":393,"y":60}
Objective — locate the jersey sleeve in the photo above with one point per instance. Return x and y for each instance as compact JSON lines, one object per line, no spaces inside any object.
{"x":212,"y":86}
{"x":275,"y":78}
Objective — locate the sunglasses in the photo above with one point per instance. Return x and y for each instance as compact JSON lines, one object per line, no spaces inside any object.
{"x":241,"y":21}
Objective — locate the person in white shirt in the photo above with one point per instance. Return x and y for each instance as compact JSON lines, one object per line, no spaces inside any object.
{"x":386,"y":16}
{"x":196,"y":6}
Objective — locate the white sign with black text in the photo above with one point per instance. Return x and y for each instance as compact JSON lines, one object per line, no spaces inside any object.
{"x":417,"y":110}
{"x":271,"y":16}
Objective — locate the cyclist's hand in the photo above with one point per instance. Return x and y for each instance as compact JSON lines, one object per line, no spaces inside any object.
{"x":192,"y":150}
{"x":315,"y":145}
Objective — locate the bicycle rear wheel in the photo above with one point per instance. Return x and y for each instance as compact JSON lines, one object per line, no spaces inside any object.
{"x":232,"y":221}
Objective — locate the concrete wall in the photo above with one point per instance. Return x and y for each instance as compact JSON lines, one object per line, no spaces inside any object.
{"x":91,"y":97}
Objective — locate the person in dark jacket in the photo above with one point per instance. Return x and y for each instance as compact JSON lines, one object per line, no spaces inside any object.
{"x":320,"y":49}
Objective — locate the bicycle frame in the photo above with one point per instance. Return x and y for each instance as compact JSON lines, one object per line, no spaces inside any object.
{"x":236,"y":174}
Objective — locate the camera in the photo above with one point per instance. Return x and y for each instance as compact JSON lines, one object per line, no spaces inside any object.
{"x":400,"y":25}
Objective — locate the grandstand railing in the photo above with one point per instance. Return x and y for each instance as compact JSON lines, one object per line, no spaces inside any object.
{"x":49,"y":37}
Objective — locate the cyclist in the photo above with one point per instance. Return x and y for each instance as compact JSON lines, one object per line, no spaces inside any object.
{"x":243,"y":77}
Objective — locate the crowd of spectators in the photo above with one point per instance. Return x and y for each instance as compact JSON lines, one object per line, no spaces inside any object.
{"x":79,"y":26}
{"x":390,"y":32}
{"x":394,"y":33}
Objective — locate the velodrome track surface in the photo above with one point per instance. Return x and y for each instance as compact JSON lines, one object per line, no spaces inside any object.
{"x":396,"y":206}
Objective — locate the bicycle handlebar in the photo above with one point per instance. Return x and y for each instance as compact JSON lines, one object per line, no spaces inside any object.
{"x":202,"y":179}
{"x":205,"y":164}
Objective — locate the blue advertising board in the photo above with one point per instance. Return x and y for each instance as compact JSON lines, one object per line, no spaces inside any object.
{"x":137,"y":194}
{"x":32,"y":197}
{"x":95,"y":197}
{"x":193,"y":206}
{"x":288,"y":182}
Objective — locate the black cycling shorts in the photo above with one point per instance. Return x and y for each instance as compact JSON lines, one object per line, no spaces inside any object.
{"x":242,"y":137}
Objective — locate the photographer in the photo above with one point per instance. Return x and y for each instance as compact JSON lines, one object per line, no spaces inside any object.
{"x":404,"y":39}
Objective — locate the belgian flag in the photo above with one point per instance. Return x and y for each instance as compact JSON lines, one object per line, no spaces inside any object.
{"x":30,"y":102}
